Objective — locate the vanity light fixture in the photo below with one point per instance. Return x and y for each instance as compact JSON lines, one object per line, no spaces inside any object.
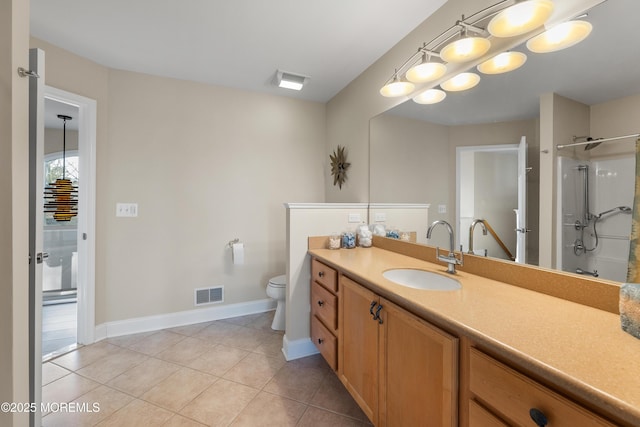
{"x":430,"y":96}
{"x":397,"y":87}
{"x":520,"y":18}
{"x":468,"y":40}
{"x":466,"y":48}
{"x":503,"y":63}
{"x":462,"y":81}
{"x":560,"y":37}
{"x":426,"y":70}
{"x":290,"y":81}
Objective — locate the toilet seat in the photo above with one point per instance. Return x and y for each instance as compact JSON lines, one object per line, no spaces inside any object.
{"x":278,"y":281}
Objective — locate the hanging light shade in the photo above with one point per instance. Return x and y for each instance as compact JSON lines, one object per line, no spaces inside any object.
{"x":61,"y":196}
{"x":462,"y":81}
{"x":426,"y":70}
{"x":397,"y":88}
{"x":430,"y":96}
{"x":560,"y":37}
{"x":520,"y":18}
{"x":503,"y":63}
{"x":466,"y":48}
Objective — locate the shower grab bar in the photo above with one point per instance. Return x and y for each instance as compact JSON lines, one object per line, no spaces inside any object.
{"x":615,"y":138}
{"x":611,"y":236}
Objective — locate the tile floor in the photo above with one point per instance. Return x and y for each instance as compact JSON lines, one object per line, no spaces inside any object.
{"x":224,"y":373}
{"x":59,"y":327}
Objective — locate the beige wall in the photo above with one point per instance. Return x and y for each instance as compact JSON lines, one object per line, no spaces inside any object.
{"x":413,"y":161}
{"x":205,"y":164}
{"x":348,"y":113}
{"x":615,"y":118}
{"x":53,"y":140}
{"x":14,"y":145}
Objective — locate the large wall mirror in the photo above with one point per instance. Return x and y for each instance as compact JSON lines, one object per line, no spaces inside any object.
{"x":416,"y":150}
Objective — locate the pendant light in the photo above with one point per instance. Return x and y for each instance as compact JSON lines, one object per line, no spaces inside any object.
{"x":430,"y":96}
{"x":61,"y":196}
{"x":560,"y":37}
{"x":466,"y":48}
{"x":396,"y":88}
{"x":520,"y":18}
{"x":426,"y":70}
{"x":462,"y":81}
{"x":503,"y":63}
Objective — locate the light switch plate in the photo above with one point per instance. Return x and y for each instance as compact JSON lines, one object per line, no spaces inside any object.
{"x":380,"y":217}
{"x":127,"y":209}
{"x":355,"y":217}
{"x":442,"y":209}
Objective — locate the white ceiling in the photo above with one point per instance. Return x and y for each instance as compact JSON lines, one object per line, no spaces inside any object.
{"x":238,"y":43}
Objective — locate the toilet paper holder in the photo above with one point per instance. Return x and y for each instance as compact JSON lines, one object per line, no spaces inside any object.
{"x":233,"y":242}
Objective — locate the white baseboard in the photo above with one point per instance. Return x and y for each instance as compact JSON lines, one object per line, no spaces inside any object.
{"x":297,"y":349}
{"x":181,"y":318}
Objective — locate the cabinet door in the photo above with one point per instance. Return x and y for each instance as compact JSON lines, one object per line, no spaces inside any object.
{"x":418,"y":372}
{"x":358,"y":343}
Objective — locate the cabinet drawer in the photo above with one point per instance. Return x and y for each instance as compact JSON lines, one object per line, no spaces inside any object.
{"x":480,"y":417}
{"x":324,"y":305}
{"x":325,"y":341}
{"x":325,"y":275}
{"x":511,"y":395}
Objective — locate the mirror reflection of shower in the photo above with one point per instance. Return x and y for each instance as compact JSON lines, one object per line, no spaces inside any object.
{"x":590,"y":220}
{"x":594,"y":199}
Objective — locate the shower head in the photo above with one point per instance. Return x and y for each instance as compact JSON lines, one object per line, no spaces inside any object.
{"x":616,"y":209}
{"x":592,"y":145}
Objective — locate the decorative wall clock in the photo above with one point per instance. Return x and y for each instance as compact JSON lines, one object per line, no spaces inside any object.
{"x":339,"y":166}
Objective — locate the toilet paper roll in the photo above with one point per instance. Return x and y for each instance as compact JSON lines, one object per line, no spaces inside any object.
{"x":238,"y":253}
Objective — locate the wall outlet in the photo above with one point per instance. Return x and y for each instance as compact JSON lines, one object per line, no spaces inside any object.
{"x":355,"y":217}
{"x":127,"y":209}
{"x":380,"y":217}
{"x":442,"y":209}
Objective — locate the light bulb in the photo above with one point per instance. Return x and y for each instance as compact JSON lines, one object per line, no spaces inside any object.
{"x":426,"y":72}
{"x":560,"y":37}
{"x":462,"y":81}
{"x":520,"y":18}
{"x":503,"y":62}
{"x":430,"y":96}
{"x":465,"y":49}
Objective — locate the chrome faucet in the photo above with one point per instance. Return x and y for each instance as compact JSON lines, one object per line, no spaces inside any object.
{"x":473,"y":226}
{"x":451,"y":259}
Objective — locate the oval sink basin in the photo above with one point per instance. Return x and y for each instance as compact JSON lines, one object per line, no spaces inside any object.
{"x":421,"y":279}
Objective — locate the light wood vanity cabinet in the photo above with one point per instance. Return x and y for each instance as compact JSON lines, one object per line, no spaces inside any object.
{"x":401,"y":370}
{"x":501,"y":396}
{"x":324,"y":311}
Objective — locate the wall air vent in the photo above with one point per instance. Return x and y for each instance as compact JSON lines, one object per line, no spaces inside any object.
{"x":204,"y":296}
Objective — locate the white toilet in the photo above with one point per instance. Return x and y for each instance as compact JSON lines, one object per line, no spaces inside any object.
{"x":277,"y":289}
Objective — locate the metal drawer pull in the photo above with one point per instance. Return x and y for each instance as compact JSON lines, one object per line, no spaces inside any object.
{"x":377,"y":315}
{"x":373,"y":304}
{"x":320,"y":340}
{"x":538,"y":417}
{"x":320,"y":303}
{"x":321,"y":274}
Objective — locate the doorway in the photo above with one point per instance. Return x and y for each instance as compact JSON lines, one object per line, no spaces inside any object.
{"x":487,"y":188}
{"x":68,"y":304}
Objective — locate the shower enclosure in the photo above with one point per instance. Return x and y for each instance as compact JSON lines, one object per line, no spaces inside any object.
{"x":594,"y":215}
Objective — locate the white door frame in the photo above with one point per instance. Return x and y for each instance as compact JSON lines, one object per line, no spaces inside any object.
{"x":86,"y":207}
{"x":476,"y":149}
